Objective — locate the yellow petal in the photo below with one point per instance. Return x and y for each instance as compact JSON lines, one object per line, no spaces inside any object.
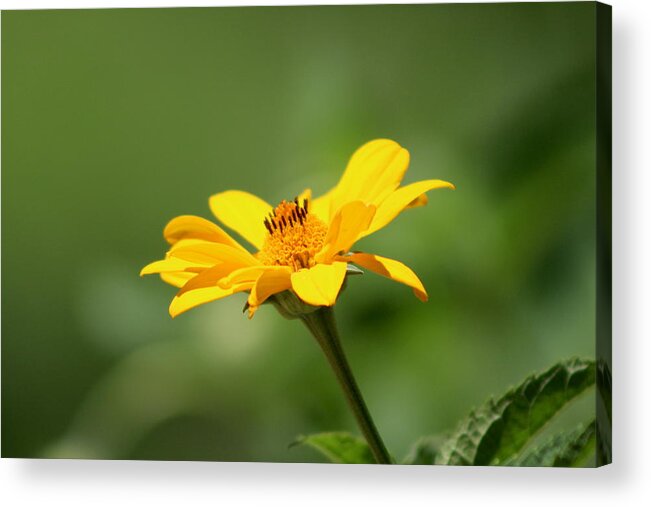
{"x":348,"y":224}
{"x":166,"y":266}
{"x":319,"y":285}
{"x":373,"y":172}
{"x":391,"y":269}
{"x":250,"y":274}
{"x":192,"y":227}
{"x":204,"y":252}
{"x":421,"y":200}
{"x":209,"y":277}
{"x":242,"y":212}
{"x":177,"y":278}
{"x":269,"y":283}
{"x":321,"y":206}
{"x":399,"y":200}
{"x":305,"y":194}
{"x":198,"y":297}
{"x":183,"y":243}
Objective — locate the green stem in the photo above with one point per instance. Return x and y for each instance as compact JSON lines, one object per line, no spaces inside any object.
{"x":322,"y":325}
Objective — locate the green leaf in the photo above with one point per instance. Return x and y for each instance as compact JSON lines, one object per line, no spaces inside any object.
{"x":569,"y":449}
{"x":339,"y":447}
{"x":500,"y":429}
{"x":424,"y":451}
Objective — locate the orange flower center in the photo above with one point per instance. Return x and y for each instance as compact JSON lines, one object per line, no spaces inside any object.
{"x":295,"y":236}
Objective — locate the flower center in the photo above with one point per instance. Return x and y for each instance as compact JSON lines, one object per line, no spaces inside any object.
{"x":295,"y":236}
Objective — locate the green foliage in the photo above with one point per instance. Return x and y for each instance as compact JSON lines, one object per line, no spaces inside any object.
{"x":500,"y":429}
{"x":604,"y":414}
{"x":567,"y":449}
{"x":339,"y":447}
{"x":605,"y":387}
{"x":424,"y":451}
{"x":501,"y":432}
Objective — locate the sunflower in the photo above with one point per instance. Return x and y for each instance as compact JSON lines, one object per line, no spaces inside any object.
{"x":302,"y":246}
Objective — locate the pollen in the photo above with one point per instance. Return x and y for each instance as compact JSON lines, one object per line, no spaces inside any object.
{"x":295,"y":236}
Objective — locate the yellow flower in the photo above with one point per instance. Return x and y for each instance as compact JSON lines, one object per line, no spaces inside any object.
{"x":302,"y":245}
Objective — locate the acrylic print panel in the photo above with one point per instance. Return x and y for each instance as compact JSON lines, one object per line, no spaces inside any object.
{"x":366,"y":234}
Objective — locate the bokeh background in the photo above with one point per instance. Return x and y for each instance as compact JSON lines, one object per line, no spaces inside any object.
{"x":115,"y":121}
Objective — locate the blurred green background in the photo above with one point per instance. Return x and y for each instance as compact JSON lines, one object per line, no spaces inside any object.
{"x":115,"y":121}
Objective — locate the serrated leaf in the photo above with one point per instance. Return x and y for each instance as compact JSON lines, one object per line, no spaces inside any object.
{"x":500,"y":429}
{"x":568,"y":449}
{"x":339,"y":447}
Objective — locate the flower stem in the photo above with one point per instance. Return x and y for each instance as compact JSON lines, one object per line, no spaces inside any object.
{"x":322,"y":325}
